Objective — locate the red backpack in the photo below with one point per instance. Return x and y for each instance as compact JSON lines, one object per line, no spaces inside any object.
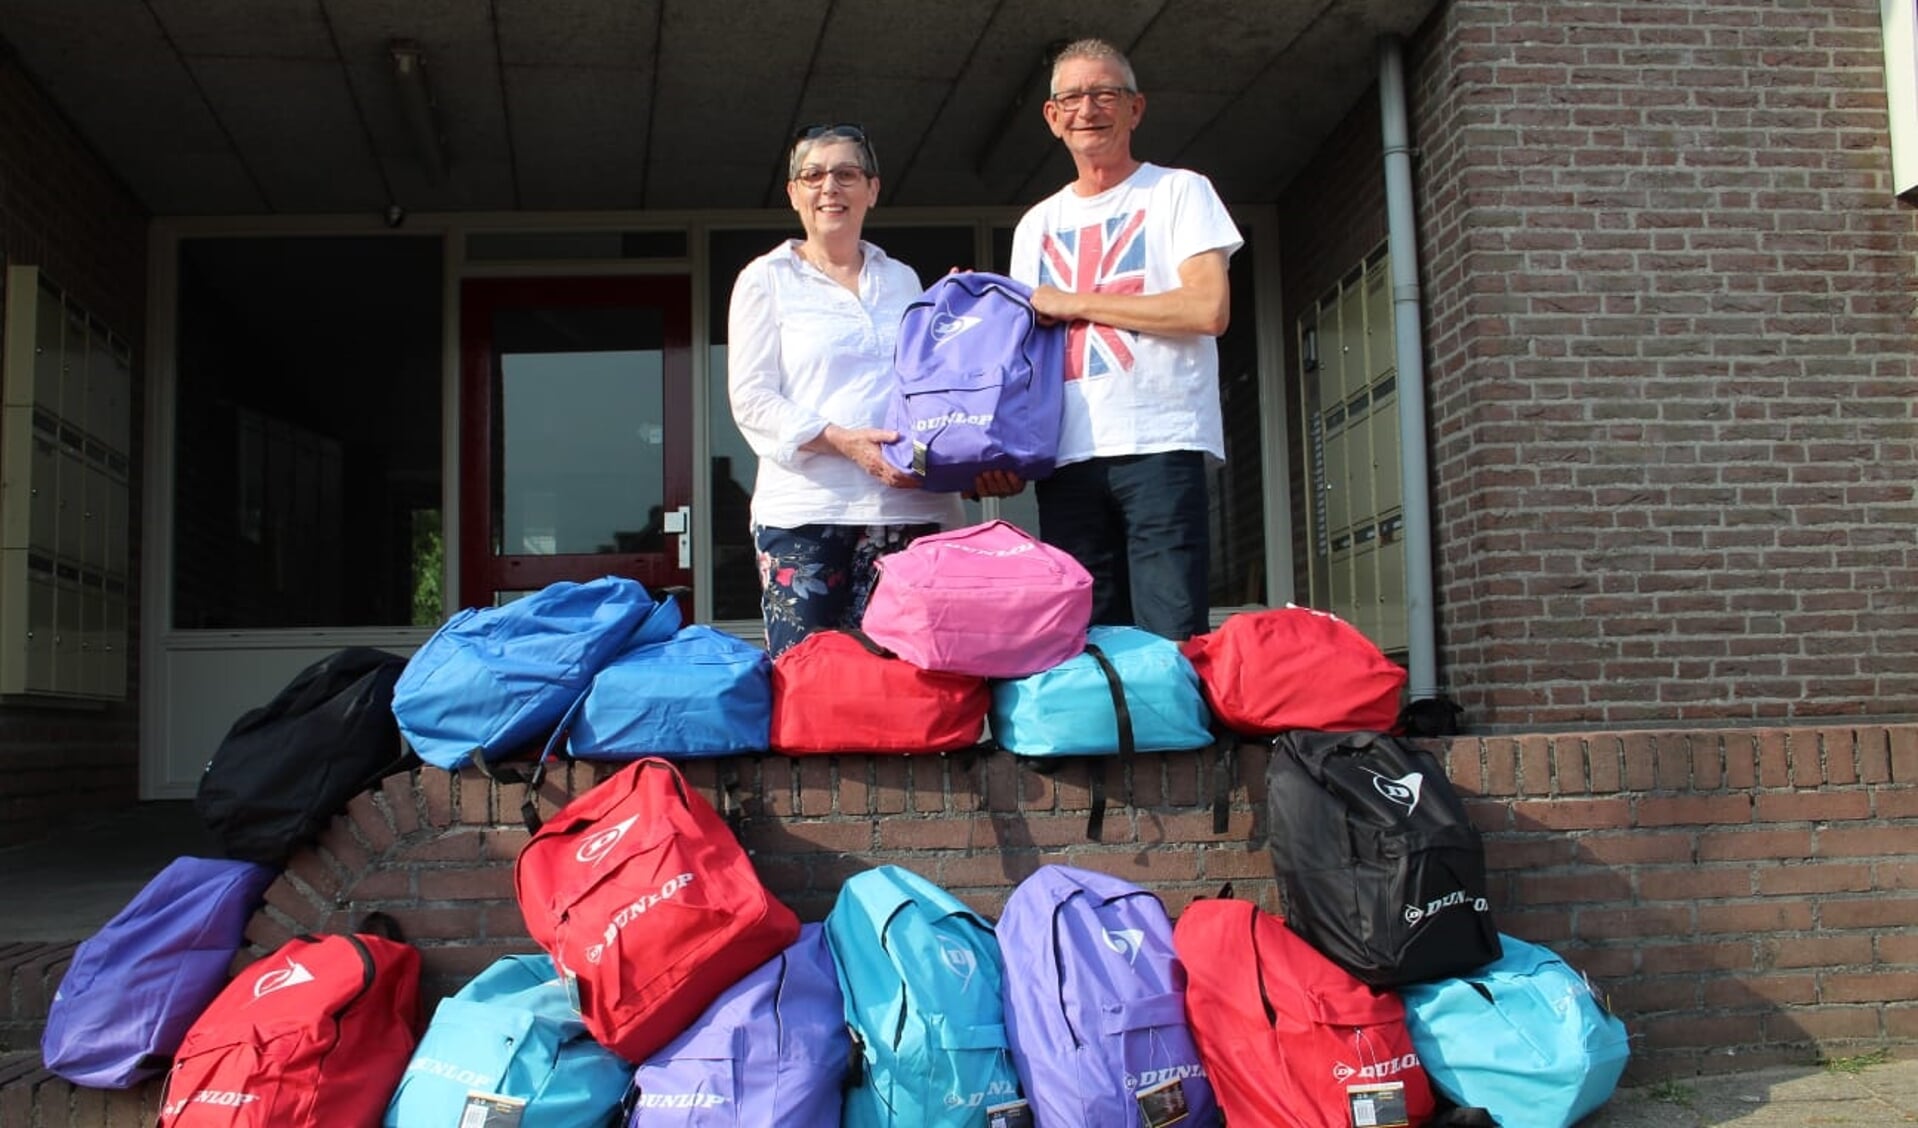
{"x":838,"y":691}
{"x":1288,"y":1038}
{"x":647,"y":904}
{"x":316,"y":1035}
{"x":1295,"y":668}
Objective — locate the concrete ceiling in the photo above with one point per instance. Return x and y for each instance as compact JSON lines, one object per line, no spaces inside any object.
{"x":253,"y":107}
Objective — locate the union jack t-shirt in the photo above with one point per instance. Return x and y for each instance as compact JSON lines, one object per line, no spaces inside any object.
{"x":1130,"y":392}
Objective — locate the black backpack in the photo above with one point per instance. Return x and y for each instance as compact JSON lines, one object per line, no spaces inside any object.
{"x":284,"y":769}
{"x":1382,"y":871}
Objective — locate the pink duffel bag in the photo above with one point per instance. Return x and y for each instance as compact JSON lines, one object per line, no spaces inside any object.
{"x":988,"y":600}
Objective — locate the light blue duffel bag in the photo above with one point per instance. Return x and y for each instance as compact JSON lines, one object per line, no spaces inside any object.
{"x":1523,"y":1037}
{"x":1128,"y":691}
{"x":511,"y":1033}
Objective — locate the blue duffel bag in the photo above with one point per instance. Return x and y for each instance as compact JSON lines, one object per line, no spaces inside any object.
{"x":699,"y":693}
{"x":494,"y":679}
{"x":1523,"y":1037}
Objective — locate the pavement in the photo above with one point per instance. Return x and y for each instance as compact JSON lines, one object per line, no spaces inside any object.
{"x":1844,"y":1093}
{"x":65,"y":886}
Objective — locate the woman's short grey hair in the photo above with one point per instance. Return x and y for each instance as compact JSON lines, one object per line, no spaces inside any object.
{"x":1096,"y":50}
{"x":804,"y":145}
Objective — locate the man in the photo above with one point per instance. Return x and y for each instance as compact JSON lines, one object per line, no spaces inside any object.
{"x":1133,"y":257}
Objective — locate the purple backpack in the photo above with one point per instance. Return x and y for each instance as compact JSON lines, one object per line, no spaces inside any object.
{"x":135,"y":986}
{"x":1095,"y":1005}
{"x":773,"y":1049}
{"x":981,"y":384}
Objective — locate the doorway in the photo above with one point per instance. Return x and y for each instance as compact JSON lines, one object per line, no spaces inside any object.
{"x":576,"y":434}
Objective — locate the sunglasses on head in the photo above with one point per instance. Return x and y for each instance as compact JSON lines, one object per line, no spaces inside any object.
{"x":838,"y":131}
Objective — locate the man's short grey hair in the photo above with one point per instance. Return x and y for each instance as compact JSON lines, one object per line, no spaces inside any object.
{"x":1096,"y":50}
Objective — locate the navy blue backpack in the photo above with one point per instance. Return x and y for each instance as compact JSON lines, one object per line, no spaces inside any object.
{"x":136,"y":985}
{"x":494,"y":679}
{"x":980,"y":383}
{"x":1095,"y":1005}
{"x":773,"y":1049}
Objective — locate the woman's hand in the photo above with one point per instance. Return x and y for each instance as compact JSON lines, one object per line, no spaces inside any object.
{"x":861,"y":444}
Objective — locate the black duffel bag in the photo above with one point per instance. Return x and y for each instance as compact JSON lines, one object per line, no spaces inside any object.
{"x":1381,"y":869}
{"x":286,"y":768}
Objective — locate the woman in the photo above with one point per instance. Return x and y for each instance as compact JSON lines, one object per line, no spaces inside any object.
{"x":809,"y":358}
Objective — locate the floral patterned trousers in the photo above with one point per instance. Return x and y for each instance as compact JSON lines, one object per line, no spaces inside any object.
{"x":816,"y":577}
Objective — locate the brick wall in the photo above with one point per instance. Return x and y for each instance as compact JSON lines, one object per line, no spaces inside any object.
{"x":63,"y":211}
{"x":1669,"y":315}
{"x":1744,"y":897}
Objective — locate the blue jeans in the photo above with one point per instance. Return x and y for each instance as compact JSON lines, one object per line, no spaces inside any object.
{"x":1138,"y":524}
{"x":815,"y":577}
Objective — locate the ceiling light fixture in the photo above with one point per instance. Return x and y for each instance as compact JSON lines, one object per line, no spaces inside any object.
{"x":416,"y":106}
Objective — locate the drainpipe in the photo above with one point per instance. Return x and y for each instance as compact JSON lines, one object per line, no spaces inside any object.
{"x":1402,"y":241}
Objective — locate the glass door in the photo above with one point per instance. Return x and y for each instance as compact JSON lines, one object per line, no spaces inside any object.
{"x":575,"y":434}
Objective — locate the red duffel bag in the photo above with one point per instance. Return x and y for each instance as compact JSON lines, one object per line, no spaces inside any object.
{"x":839,"y":691}
{"x":647,"y":904}
{"x":1264,"y":672}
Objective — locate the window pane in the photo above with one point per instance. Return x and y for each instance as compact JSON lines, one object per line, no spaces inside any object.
{"x":735,"y":582}
{"x":581,"y":433}
{"x":307,"y":483}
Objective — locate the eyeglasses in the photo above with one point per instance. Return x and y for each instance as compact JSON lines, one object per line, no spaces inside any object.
{"x":846,"y":176}
{"x":837,"y":131}
{"x":1104,"y":97}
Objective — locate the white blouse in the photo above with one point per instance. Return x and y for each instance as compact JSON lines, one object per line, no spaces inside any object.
{"x":804,"y":351}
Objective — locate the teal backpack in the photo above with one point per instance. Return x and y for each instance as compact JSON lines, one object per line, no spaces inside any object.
{"x":1524,"y":1038}
{"x":511,"y":1034}
{"x":922,"y":979}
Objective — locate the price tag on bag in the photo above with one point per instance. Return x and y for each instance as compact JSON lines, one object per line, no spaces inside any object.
{"x":1377,"y":1106}
{"x":491,"y":1110}
{"x":1163,"y":1104}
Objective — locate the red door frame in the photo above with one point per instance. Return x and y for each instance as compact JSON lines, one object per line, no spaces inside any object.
{"x":481,"y":573}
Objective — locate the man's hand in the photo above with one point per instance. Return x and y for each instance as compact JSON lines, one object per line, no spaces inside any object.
{"x":861,"y":445}
{"x":1052,"y":304}
{"x":997,"y":483}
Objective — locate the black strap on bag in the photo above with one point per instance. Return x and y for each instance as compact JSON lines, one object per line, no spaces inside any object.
{"x":1096,"y":820}
{"x":865,"y":640}
{"x":1224,"y":769}
{"x":529,"y":800}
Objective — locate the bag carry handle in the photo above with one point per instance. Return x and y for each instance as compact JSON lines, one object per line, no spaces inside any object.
{"x":1096,"y":820}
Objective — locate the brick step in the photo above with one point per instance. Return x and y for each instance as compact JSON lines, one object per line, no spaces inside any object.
{"x":30,"y":1097}
{"x":30,"y":972}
